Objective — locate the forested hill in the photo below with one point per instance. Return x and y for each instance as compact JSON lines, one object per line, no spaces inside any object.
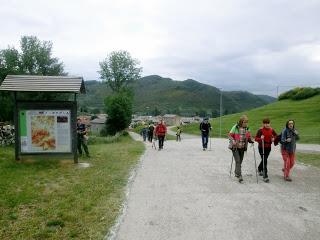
{"x":154,"y":94}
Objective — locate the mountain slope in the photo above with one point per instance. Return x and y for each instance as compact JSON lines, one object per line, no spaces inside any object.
{"x":187,"y":97}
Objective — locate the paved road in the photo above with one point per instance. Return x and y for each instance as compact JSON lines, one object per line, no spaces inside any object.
{"x":185,"y":193}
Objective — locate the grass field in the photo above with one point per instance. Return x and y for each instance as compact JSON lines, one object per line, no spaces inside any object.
{"x":56,"y":199}
{"x":306,"y":114}
{"x":312,"y":159}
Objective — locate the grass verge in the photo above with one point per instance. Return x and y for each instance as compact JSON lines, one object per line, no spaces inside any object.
{"x":56,"y":199}
{"x":309,"y":158}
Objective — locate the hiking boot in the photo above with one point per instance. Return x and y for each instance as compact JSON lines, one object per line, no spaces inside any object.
{"x":240,"y":179}
{"x":288,"y":179}
{"x":266,"y":180}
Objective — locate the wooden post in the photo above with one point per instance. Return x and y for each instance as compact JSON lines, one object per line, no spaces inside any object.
{"x":16,"y":129}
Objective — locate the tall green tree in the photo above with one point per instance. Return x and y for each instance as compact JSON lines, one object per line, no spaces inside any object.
{"x":119,"y":69}
{"x":34,"y":58}
{"x":119,"y":110}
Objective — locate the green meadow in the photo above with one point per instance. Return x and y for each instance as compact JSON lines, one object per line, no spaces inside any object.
{"x":306,"y":114}
{"x":57,"y":199}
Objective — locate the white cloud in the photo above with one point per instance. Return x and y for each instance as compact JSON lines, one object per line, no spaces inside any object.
{"x":228,"y":43}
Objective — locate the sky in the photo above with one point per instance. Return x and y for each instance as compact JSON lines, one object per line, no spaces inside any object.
{"x":256,"y":45}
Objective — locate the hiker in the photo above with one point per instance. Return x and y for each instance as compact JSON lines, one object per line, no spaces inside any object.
{"x":265,"y":137}
{"x":160,"y":132}
{"x":150,"y":133}
{"x":205,"y":128}
{"x":239,"y":136}
{"x":178,"y":134}
{"x":289,"y":136}
{"x":144,"y":133}
{"x":82,"y":137}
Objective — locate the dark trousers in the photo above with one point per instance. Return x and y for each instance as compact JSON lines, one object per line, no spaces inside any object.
{"x":238,"y":158}
{"x":264,"y":161}
{"x":204,"y":137}
{"x":150,"y":137}
{"x":178,"y":138}
{"x":82,"y":142}
{"x":161,"y":140}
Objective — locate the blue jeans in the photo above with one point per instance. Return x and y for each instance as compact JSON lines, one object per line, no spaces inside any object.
{"x":204,"y":140}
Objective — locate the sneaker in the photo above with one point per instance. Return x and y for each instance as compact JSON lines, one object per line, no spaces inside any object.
{"x":203,"y":149}
{"x":260,"y":173}
{"x":266,"y":180}
{"x":288,"y":179}
{"x":282,"y":169}
{"x":240,"y":179}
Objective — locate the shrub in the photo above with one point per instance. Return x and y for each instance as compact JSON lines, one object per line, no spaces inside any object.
{"x":299,"y":93}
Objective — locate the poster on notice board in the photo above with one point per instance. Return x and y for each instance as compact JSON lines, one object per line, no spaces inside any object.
{"x":45,"y":131}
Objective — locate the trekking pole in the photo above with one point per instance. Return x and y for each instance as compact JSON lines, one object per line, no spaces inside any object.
{"x":255,"y":161}
{"x":231,"y":165}
{"x":210,"y":139}
{"x":263,"y":167}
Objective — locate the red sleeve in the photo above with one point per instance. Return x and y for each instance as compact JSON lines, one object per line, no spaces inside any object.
{"x":258,"y":136}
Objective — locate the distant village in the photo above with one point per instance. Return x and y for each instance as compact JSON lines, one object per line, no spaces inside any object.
{"x":97,"y":122}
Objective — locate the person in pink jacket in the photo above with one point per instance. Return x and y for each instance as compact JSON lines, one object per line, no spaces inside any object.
{"x":239,"y":136}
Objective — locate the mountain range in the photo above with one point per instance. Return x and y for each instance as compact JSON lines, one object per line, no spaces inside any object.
{"x":155,"y":95}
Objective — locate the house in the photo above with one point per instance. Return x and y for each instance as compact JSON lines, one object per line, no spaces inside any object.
{"x":172,"y":119}
{"x":97,"y":125}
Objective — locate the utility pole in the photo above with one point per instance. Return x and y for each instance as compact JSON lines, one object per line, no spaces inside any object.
{"x":220,"y":110}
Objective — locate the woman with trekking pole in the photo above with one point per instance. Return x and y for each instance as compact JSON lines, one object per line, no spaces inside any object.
{"x":265,"y":137}
{"x":289,"y":136}
{"x":239,"y":136}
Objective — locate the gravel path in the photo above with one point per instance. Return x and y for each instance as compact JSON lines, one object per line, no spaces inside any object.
{"x":185,"y":193}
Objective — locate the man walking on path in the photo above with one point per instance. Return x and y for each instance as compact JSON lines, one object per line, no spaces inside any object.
{"x":205,"y":128}
{"x":150,"y":133}
{"x":265,"y":137}
{"x":160,"y":132}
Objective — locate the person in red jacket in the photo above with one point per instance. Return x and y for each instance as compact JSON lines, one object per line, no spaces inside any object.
{"x":265,"y":137}
{"x":160,"y":132}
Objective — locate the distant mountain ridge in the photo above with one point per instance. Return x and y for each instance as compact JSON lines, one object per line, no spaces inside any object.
{"x":155,"y":94}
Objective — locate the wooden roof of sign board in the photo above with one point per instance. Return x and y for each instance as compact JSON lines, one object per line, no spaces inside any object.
{"x":34,"y":83}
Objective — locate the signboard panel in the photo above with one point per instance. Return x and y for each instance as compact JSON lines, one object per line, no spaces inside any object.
{"x":45,"y":131}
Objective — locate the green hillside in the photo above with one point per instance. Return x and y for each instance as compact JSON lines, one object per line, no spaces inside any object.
{"x":164,"y":95}
{"x":306,"y":114}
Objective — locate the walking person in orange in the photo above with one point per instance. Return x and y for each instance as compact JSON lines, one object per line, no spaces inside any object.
{"x":289,"y":136}
{"x":160,"y":132}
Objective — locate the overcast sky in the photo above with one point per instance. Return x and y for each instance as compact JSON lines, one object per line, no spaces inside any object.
{"x":253,"y":45}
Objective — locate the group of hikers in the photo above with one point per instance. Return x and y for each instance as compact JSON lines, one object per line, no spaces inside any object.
{"x":159,"y":132}
{"x":239,"y":137}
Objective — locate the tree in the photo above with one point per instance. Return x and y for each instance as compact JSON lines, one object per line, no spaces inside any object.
{"x":119,"y":69}
{"x":119,"y":110}
{"x":35,"y":58}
